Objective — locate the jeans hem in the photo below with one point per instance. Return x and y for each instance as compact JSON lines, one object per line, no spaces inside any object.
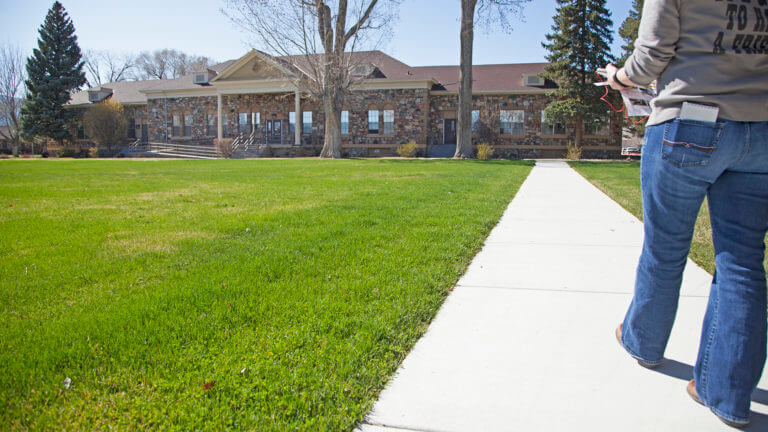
{"x":729,"y":417}
{"x":637,"y":357}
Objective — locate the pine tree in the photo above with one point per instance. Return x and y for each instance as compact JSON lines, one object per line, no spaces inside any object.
{"x":628,"y":32}
{"x":629,"y":28}
{"x":54,"y":70}
{"x":578,"y":45}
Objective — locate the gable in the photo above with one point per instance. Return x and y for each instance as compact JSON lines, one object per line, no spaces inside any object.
{"x":256,"y":69}
{"x":252,"y":66}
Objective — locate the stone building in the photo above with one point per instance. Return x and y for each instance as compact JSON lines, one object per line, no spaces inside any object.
{"x":254,"y":98}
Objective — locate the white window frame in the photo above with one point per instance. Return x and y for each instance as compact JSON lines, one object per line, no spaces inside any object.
{"x":306,"y":122}
{"x":549,"y":129}
{"x":388,"y":127}
{"x":516,"y":121}
{"x":345,"y":122}
{"x":373,"y":115}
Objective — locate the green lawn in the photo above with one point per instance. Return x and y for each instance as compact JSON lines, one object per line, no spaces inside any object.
{"x":153,"y":284}
{"x":621,"y":181}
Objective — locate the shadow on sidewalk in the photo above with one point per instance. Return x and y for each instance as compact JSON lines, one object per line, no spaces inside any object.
{"x":683,"y":371}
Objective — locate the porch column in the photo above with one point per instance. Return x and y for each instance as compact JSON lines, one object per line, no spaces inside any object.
{"x":219,"y":125}
{"x":299,"y":118}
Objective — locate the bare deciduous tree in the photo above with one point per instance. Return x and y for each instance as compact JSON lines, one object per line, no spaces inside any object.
{"x":103,"y":67}
{"x":488,"y":14}
{"x":11,"y":94}
{"x":168,"y":64}
{"x":321,"y":42}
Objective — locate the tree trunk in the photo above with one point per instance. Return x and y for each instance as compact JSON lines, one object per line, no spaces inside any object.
{"x":579,"y":131}
{"x":464,"y":126}
{"x":332,"y":144}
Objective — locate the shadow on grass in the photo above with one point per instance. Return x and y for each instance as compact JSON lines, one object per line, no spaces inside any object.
{"x":684,"y":372}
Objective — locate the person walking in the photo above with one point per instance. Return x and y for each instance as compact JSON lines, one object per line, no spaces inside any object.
{"x":707,"y":136}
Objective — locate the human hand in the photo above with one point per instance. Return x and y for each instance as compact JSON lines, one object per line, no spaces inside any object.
{"x":613,"y":77}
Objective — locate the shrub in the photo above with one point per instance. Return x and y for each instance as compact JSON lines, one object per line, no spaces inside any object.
{"x":408,"y":150}
{"x":573,"y":152}
{"x":484,"y":151}
{"x":106,"y":124}
{"x":65,"y":152}
{"x":93,"y":152}
{"x":225,"y":147}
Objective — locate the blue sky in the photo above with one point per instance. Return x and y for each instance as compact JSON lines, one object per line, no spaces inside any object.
{"x":427,"y":32}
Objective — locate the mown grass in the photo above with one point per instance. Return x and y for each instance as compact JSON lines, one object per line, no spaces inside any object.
{"x":621,"y":181}
{"x":273,"y":295}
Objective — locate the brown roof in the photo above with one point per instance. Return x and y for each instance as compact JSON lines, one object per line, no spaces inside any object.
{"x":129,"y":92}
{"x":501,"y":77}
{"x":125,"y":92}
{"x":187,"y":81}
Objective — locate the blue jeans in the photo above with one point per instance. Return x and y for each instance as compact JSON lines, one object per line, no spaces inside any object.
{"x":683,"y":161}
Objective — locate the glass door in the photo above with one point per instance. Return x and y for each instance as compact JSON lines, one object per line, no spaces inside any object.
{"x":274,"y":131}
{"x":449,"y":131}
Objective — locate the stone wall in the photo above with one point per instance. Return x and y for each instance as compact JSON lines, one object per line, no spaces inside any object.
{"x":140,"y":116}
{"x":533,"y":143}
{"x":419,"y":116}
{"x":410,"y":120}
{"x":161,"y":110}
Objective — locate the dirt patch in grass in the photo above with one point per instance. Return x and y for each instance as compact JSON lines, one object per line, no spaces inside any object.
{"x":131,"y":243}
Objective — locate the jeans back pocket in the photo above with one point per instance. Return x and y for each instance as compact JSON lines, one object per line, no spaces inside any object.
{"x":690,"y":142}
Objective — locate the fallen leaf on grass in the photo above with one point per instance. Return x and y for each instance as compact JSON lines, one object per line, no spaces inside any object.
{"x":67,"y":383}
{"x":11,"y":204}
{"x":209,"y":385}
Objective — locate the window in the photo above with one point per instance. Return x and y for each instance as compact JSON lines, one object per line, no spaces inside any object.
{"x":599,"y":126}
{"x":373,"y":121}
{"x":389,"y":122}
{"x":224,"y":125}
{"x":345,"y":122}
{"x":188,"y":125}
{"x":547,"y":128}
{"x":306,"y":124}
{"x":131,"y":128}
{"x":512,"y":122}
{"x":176,"y":130}
{"x":292,"y":122}
{"x":255,"y":121}
{"x":475,"y":119}
{"x":212,"y":125}
{"x":242,"y":122}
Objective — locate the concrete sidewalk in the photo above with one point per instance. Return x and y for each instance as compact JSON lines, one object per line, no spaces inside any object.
{"x":526,"y":342}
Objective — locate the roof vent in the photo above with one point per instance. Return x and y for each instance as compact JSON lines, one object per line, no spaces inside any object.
{"x":204,"y":77}
{"x":99,"y":94}
{"x":533,"y":80}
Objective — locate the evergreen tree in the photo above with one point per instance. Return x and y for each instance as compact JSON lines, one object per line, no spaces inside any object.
{"x":629,"y":28}
{"x":628,"y":32}
{"x":54,"y":70}
{"x":578,"y":45}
